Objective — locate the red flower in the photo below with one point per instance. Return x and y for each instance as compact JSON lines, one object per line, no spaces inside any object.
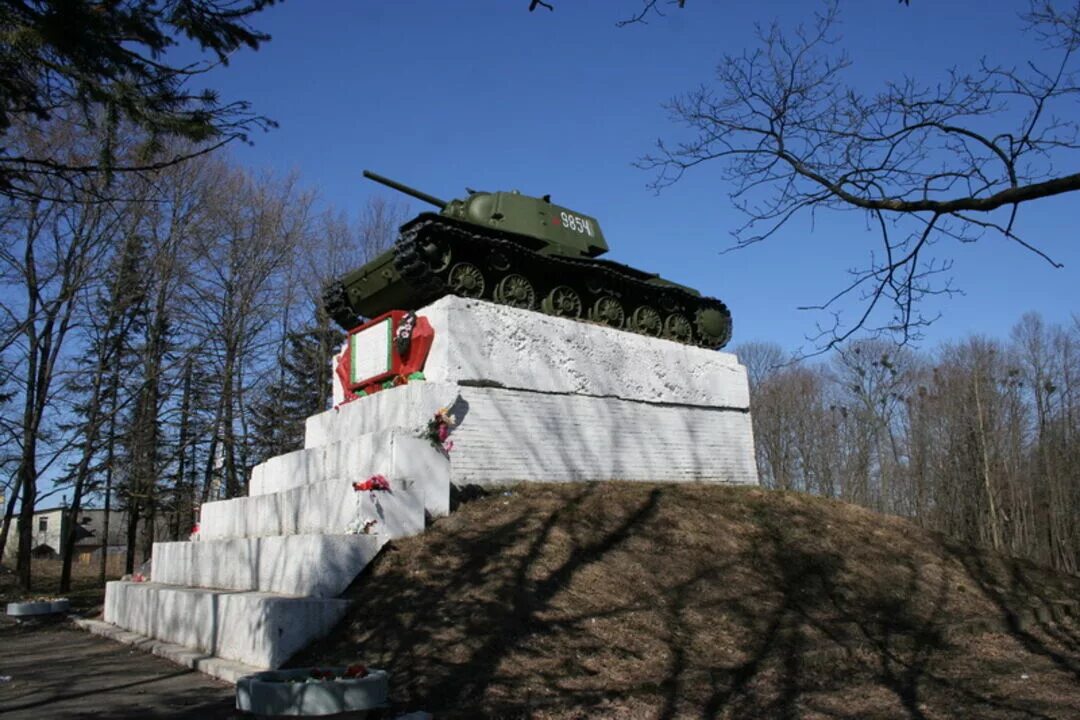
{"x":355,"y":671}
{"x":375,"y":482}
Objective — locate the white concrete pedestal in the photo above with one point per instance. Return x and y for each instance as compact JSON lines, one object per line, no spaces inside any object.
{"x":537,"y":399}
{"x":546,"y":399}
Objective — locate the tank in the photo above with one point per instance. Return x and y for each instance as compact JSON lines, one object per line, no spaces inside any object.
{"x":526,"y":252}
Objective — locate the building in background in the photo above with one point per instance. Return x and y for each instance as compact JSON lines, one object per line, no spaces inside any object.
{"x":90,"y":541}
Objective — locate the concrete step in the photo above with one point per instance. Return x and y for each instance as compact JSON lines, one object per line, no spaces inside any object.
{"x":228,"y":670}
{"x":258,"y":629}
{"x":386,"y":452}
{"x":315,"y":565}
{"x":330,"y":507}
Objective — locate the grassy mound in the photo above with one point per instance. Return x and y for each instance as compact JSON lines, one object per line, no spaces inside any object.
{"x":626,"y":600}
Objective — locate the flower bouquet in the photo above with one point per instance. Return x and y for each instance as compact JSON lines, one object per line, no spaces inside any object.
{"x":438,"y":429}
{"x":363,"y":523}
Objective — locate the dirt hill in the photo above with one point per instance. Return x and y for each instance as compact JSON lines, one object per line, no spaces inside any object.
{"x":620,"y":600}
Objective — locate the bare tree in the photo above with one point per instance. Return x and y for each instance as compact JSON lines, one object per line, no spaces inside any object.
{"x":955,"y":158}
{"x":978,"y":440}
{"x":790,"y":409}
{"x":760,"y":359}
{"x":341,"y":243}
{"x":51,"y":251}
{"x":648,"y":7}
{"x":110,"y":320}
{"x":310,"y":339}
{"x":872,"y":378}
{"x":1048,"y":363}
{"x":237,"y":300}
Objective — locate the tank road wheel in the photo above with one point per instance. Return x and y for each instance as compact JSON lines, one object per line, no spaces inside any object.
{"x":516,"y":291}
{"x":677,"y":328}
{"x":466,"y":280}
{"x":562,"y":301}
{"x":438,"y":256}
{"x":713,"y":327}
{"x":646,"y":320}
{"x":609,"y":311}
{"x":498,"y":262}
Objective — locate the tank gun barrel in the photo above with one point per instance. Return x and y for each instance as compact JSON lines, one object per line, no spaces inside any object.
{"x":431,"y":199}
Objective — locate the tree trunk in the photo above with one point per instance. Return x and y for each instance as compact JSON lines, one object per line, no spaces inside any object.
{"x":68,"y":537}
{"x":183,"y":512}
{"x":228,"y":436}
{"x":110,"y":455}
{"x":27,"y":475}
{"x":149,"y":530}
{"x":82,"y":474}
{"x":995,"y":530}
{"x":9,"y":512}
{"x":132,"y":536}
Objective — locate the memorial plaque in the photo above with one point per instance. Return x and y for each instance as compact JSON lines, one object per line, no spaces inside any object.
{"x":369,"y":351}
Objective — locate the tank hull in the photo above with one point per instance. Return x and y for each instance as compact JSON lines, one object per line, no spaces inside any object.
{"x":436,"y":256}
{"x":372,"y":289}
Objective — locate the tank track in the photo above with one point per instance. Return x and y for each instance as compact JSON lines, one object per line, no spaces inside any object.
{"x":412,"y":266}
{"x":335,"y":301}
{"x":408,"y":262}
{"x":413,"y":259}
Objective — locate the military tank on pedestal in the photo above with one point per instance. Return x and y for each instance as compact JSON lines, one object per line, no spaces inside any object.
{"x":525,"y":252}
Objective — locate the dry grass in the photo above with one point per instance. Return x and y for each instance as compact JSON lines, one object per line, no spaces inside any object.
{"x":619,"y":600}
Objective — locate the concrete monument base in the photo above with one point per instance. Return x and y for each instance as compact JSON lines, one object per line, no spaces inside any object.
{"x":507,"y":435}
{"x":547,"y":399}
{"x":536,"y":399}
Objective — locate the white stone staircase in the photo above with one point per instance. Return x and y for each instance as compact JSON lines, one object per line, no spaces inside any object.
{"x":263,"y":579}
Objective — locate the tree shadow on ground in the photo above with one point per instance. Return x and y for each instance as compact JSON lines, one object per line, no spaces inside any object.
{"x":1040,"y":622}
{"x":686,"y":601}
{"x":138,"y":699}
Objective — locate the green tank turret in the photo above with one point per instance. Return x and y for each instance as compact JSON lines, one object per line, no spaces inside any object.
{"x":525,"y":252}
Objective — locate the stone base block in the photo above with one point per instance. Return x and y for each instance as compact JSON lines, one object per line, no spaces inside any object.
{"x":480,"y":342}
{"x":392,"y":453}
{"x":329,"y":507}
{"x":316,"y":565}
{"x":258,"y":629}
{"x":508,"y":435}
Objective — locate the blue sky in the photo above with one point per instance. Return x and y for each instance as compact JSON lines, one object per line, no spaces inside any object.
{"x":444,"y":94}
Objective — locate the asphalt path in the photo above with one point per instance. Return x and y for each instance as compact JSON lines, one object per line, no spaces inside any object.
{"x":53,"y":670}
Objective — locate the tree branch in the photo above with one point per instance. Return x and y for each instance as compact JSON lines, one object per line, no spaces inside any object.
{"x":942,"y":159}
